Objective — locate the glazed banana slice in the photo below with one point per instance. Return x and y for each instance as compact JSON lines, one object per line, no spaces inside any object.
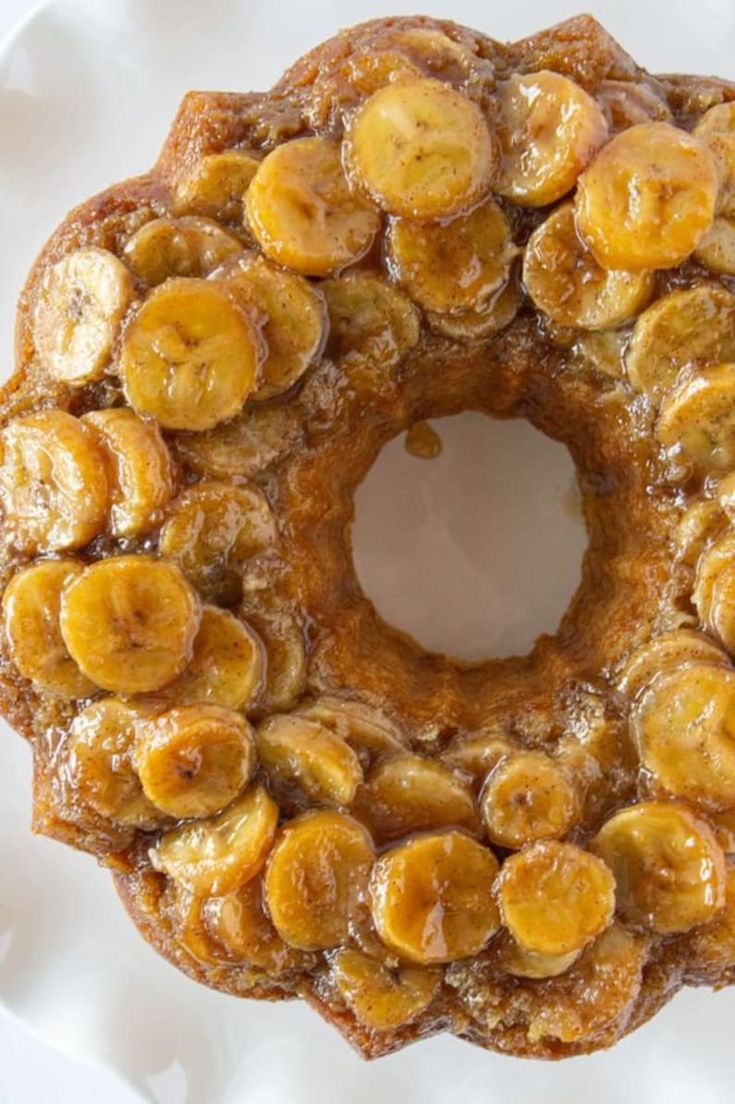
{"x":716,"y":129}
{"x":129,"y":622}
{"x":302,"y":212}
{"x":216,"y":856}
{"x":292,"y":316}
{"x":555,"y":898}
{"x":454,"y":266}
{"x":382,"y":998}
{"x":701,"y":524}
{"x":668,"y":866}
{"x":227,"y":665}
{"x":549,"y":130}
{"x":366,"y":730}
{"x":690,"y":328}
{"x":408,"y":793}
{"x":477,"y":325}
{"x":97,"y":763}
{"x":80,"y":307}
{"x":724,"y":827}
{"x":53,"y":485}
{"x":300,"y":754}
{"x":190,"y":356}
{"x":528,"y":797}
{"x":565,"y":281}
{"x":139,"y":470}
{"x":684,"y":725}
{"x":515,"y":960}
{"x":432,"y":898}
{"x":664,"y":654}
{"x":316,"y":877}
{"x":421,"y":150}
{"x":647,"y":198}
{"x":239,"y":449}
{"x":285,"y":650}
{"x":188,"y":246}
{"x":212,"y":529}
{"x":239,"y":924}
{"x":716,"y":250}
{"x":215,"y":187}
{"x":477,"y":754}
{"x":31,"y":606}
{"x":714,"y":562}
{"x":369,"y":320}
{"x":367,"y":73}
{"x":698,"y":418}
{"x":722,"y":610}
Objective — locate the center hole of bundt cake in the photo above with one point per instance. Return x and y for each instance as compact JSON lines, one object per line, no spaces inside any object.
{"x":478,"y":551}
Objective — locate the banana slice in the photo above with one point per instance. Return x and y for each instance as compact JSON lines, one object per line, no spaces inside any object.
{"x":129,"y":622}
{"x":668,"y":866}
{"x":139,"y":470}
{"x":684,"y":725}
{"x":367,"y":73}
{"x":627,"y":103}
{"x":724,"y":491}
{"x":216,"y":185}
{"x":80,"y":307}
{"x":97,"y":762}
{"x":698,"y":418}
{"x":184,"y":912}
{"x":528,"y":797}
{"x":382,"y":998}
{"x":301,"y":754}
{"x":31,"y":605}
{"x":212,"y":529}
{"x":715,"y":560}
{"x":366,"y":730}
{"x":477,"y":325}
{"x":292,"y":314}
{"x":285,"y":651}
{"x":555,"y":897}
{"x":722,"y":612}
{"x":716,"y":129}
{"x":477,"y":754}
{"x":369,"y":320}
{"x":227,"y":666}
{"x":432,"y":898}
{"x":549,"y":130}
{"x":421,"y":150}
{"x":316,"y":878}
{"x":240,"y":925}
{"x":302,"y":212}
{"x":53,"y":485}
{"x":724,"y":827}
{"x":701,"y":524}
{"x":454,"y":266}
{"x":716,"y":250}
{"x":664,"y":654}
{"x":647,"y":198}
{"x":187,"y":246}
{"x":565,"y":281}
{"x":240,"y":449}
{"x":690,"y":328}
{"x":190,"y":356}
{"x":411,"y":794}
{"x":515,"y":960}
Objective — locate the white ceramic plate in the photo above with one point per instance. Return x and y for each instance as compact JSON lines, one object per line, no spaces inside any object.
{"x":87,"y":92}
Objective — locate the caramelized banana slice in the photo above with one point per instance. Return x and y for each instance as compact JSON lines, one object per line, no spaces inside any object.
{"x":476,"y":325}
{"x":477,"y":754}
{"x":194,"y":760}
{"x":702,"y":523}
{"x":713,"y":563}
{"x":53,"y":486}
{"x":668,"y":866}
{"x":285,"y":658}
{"x":302,"y":212}
{"x":382,"y":998}
{"x":722,"y":612}
{"x":79,"y":310}
{"x":190,"y":356}
{"x":647,"y":198}
{"x":410,"y":794}
{"x":454,"y":266}
{"x":212,"y":529}
{"x":238,"y":922}
{"x":664,"y":654}
{"x":187,"y":246}
{"x":292,"y":316}
{"x":565,"y":281}
{"x":684,"y":725}
{"x":216,"y":856}
{"x":364,"y":729}
{"x":301,"y":754}
{"x":549,"y":130}
{"x":139,"y":469}
{"x":316,"y":878}
{"x":240,"y":449}
{"x":716,"y":250}
{"x":555,"y":897}
{"x":432,"y":898}
{"x":369,"y":320}
{"x":129,"y":622}
{"x":528,"y":797}
{"x":421,"y":150}
{"x":227,"y":666}
{"x":31,"y":605}
{"x":698,"y":417}
{"x":216,"y":186}
{"x":515,"y":960}
{"x":97,"y":761}
{"x":716,"y":129}
{"x":687,"y":328}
